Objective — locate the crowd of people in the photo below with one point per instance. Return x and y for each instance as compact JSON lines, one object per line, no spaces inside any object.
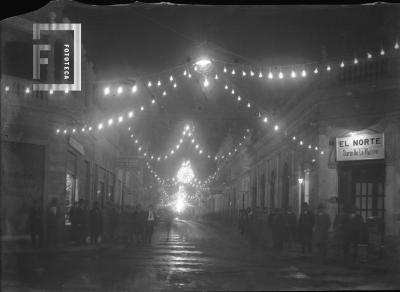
{"x":311,"y":229}
{"x":89,"y":226}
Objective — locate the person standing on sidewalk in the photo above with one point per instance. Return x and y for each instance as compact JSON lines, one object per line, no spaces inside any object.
{"x":353,"y":234}
{"x":96,"y":223}
{"x":72,"y":219}
{"x":80,"y":223}
{"x":35,"y":221}
{"x":322,"y":225}
{"x":53,"y":216}
{"x":150,"y":221}
{"x":306,"y":225}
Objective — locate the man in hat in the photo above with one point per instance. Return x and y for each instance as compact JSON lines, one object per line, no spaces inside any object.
{"x":322,"y":225}
{"x":306,"y":225}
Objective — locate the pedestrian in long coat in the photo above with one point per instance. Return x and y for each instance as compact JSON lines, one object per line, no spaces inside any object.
{"x":149,"y":225}
{"x":322,"y":225}
{"x":353,"y":233}
{"x":306,"y":225}
{"x":80,"y":222}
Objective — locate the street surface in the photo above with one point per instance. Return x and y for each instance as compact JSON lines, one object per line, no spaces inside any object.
{"x":192,"y":256}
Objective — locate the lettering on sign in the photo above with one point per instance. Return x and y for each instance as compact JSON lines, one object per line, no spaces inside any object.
{"x":360,"y":147}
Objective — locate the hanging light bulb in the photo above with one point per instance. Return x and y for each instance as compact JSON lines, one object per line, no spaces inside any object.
{"x":233,"y":72}
{"x":342,"y":64}
{"x":164,"y":93}
{"x":142,"y":108}
{"x":206,"y":83}
{"x":100,"y":126}
{"x":171,"y":78}
{"x":195,"y":68}
{"x":316,"y":71}
{"x":90,"y":128}
{"x":328,"y":68}
{"x":248,"y":104}
{"x":153,"y":101}
{"x":294,"y":138}
{"x":149,"y":84}
{"x":7,"y":88}
{"x":190,"y":75}
{"x":233,"y":91}
{"x":396,"y":46}
{"x":185,"y":73}
{"x":175,"y":85}
{"x":130,"y":114}
{"x":110,"y":122}
{"x":382,"y":52}
{"x":120,"y":119}
{"x":226,"y":87}
{"x":159,"y":83}
{"x":134,"y":88}
{"x":243,"y":73}
{"x":276,"y":127}
{"x":216,"y":77}
{"x":301,"y":142}
{"x":27,"y":90}
{"x":355,"y":61}
{"x":260,"y":75}
{"x":270,"y":75}
{"x":280,"y":75}
{"x":50,"y":92}
{"x":66,"y":91}
{"x":369,"y":56}
{"x":303,"y":73}
{"x":251,"y":73}
{"x":107,"y":90}
{"x":265,"y":120}
{"x":239,"y":98}
{"x":225,"y":70}
{"x":293,"y":74}
{"x":120,"y":90}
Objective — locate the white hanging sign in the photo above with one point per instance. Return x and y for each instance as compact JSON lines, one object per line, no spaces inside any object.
{"x":360,"y":147}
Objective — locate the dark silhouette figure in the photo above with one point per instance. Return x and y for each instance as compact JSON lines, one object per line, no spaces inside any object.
{"x":96,"y":223}
{"x":290,"y":227}
{"x":306,"y":225}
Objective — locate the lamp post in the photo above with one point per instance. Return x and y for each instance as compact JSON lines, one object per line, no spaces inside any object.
{"x":300,"y":181}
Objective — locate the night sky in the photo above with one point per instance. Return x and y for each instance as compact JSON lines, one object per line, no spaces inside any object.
{"x":126,"y":41}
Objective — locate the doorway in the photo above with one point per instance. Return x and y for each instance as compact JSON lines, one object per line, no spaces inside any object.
{"x":361,"y":186}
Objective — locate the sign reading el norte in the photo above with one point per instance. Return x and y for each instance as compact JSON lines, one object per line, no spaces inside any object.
{"x":360,"y":147}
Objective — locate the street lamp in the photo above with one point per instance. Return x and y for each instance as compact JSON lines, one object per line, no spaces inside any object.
{"x":300,"y":181}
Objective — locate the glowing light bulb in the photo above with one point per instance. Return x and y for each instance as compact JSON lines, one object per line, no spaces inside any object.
{"x":244,"y":73}
{"x":233,"y":72}
{"x":65,"y":131}
{"x":396,"y":46}
{"x":90,"y":128}
{"x":251,"y":73}
{"x":171,"y":78}
{"x":110,"y":122}
{"x":100,"y":126}
{"x":369,"y":56}
{"x":294,"y":138}
{"x":206,"y":83}
{"x":315,"y":71}
{"x":225,"y":70}
{"x":260,"y":75}
{"x":120,"y":119}
{"x":239,"y":98}
{"x":142,"y":108}
{"x":120,"y":90}
{"x":185,"y":73}
{"x":303,"y":73}
{"x":216,"y":77}
{"x":158,"y":83}
{"x":342,"y":64}
{"x":27,"y":90}
{"x":301,"y":142}
{"x":248,"y":105}
{"x":174,"y":85}
{"x":66,"y":91}
{"x":226,"y":87}
{"x":233,"y":91}
{"x":355,"y":61}
{"x":50,"y":92}
{"x":58,"y":131}
{"x":382,"y":52}
{"x":153,"y":101}
{"x":293,"y":74}
{"x":107,"y":91}
{"x":270,"y":75}
{"x":149,"y":84}
{"x":265,"y":120}
{"x":280,"y":75}
{"x":134,"y":88}
{"x":190,"y":75}
{"x":164,"y":93}
{"x":328,"y":68}
{"x":130,"y":114}
{"x":276,"y":127}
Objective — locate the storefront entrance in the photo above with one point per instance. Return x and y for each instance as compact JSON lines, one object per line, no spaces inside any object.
{"x":361,"y":186}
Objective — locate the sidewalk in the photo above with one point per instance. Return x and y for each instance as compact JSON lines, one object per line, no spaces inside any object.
{"x":388,"y":263}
